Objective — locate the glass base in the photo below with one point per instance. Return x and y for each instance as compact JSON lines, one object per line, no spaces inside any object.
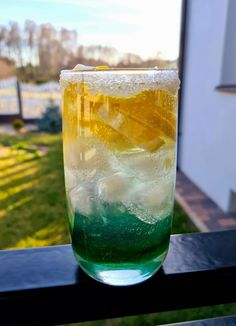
{"x":121,"y":275}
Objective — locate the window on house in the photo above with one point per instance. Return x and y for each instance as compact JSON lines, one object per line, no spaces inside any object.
{"x":228,"y":70}
{"x":232,"y":202}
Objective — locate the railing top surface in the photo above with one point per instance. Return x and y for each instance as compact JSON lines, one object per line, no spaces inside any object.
{"x":222,"y":321}
{"x":55,"y":266}
{"x":196,"y":265}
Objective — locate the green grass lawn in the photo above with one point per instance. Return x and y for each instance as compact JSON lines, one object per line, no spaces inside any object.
{"x":32,"y":197}
{"x":32,"y":212}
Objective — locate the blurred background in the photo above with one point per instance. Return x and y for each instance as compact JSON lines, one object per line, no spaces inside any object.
{"x":41,"y":37}
{"x":38,"y":38}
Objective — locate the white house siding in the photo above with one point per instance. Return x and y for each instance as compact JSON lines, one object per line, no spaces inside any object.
{"x":207,"y":152}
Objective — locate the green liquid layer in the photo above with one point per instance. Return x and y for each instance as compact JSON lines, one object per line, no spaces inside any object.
{"x":117,"y":238}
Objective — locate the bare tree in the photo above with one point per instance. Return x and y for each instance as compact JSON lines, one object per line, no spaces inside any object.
{"x":14,"y":42}
{"x":30,"y":30}
{"x":47,"y":34}
{"x":68,"y":42}
{"x":41,"y":51}
{"x":99,"y":53}
{"x":130,"y":60}
{"x":3,"y":35}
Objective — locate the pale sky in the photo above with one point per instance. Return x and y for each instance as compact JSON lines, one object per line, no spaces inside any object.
{"x":144,"y":27}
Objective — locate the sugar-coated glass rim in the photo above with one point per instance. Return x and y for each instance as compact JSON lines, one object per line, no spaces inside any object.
{"x":118,"y":69}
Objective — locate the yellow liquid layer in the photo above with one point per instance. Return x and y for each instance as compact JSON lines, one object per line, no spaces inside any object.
{"x":145,"y":120}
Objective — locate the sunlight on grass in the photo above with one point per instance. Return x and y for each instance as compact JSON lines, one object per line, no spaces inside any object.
{"x":32,"y":198}
{"x":3,"y":212}
{"x":19,"y":168}
{"x":16,"y":189}
{"x":48,"y":236}
{"x":15,"y":205}
{"x":7,"y":172}
{"x":16,"y":176}
{"x":17,"y":157}
{"x":19,"y":203}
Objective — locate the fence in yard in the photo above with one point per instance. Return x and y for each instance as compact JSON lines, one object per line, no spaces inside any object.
{"x":25,"y":101}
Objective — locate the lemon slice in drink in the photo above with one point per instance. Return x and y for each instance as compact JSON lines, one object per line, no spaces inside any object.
{"x":139,"y":120}
{"x":80,"y":67}
{"x":99,"y":104}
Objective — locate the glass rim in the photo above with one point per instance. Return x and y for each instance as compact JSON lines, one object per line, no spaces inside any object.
{"x":64,"y":71}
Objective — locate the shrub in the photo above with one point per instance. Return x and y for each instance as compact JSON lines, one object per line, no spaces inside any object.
{"x":18,"y":124}
{"x":51,"y":120}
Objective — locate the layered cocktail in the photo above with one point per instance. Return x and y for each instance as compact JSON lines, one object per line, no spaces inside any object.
{"x":119,"y":138}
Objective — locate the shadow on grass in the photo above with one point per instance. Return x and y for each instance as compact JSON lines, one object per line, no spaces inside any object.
{"x":32,"y":201}
{"x":11,"y":166}
{"x":8,"y":157}
{"x":21,"y":168}
{"x":28,"y":179}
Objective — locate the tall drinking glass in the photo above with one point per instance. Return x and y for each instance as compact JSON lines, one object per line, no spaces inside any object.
{"x":119,"y":139}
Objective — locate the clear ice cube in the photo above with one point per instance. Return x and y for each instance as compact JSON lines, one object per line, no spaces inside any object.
{"x":147,"y":167}
{"x":114,"y":187}
{"x":156,"y":197}
{"x":152,"y":201}
{"x":81,"y":200}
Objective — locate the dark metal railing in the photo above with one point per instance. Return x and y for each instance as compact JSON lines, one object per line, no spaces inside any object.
{"x":47,"y":283}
